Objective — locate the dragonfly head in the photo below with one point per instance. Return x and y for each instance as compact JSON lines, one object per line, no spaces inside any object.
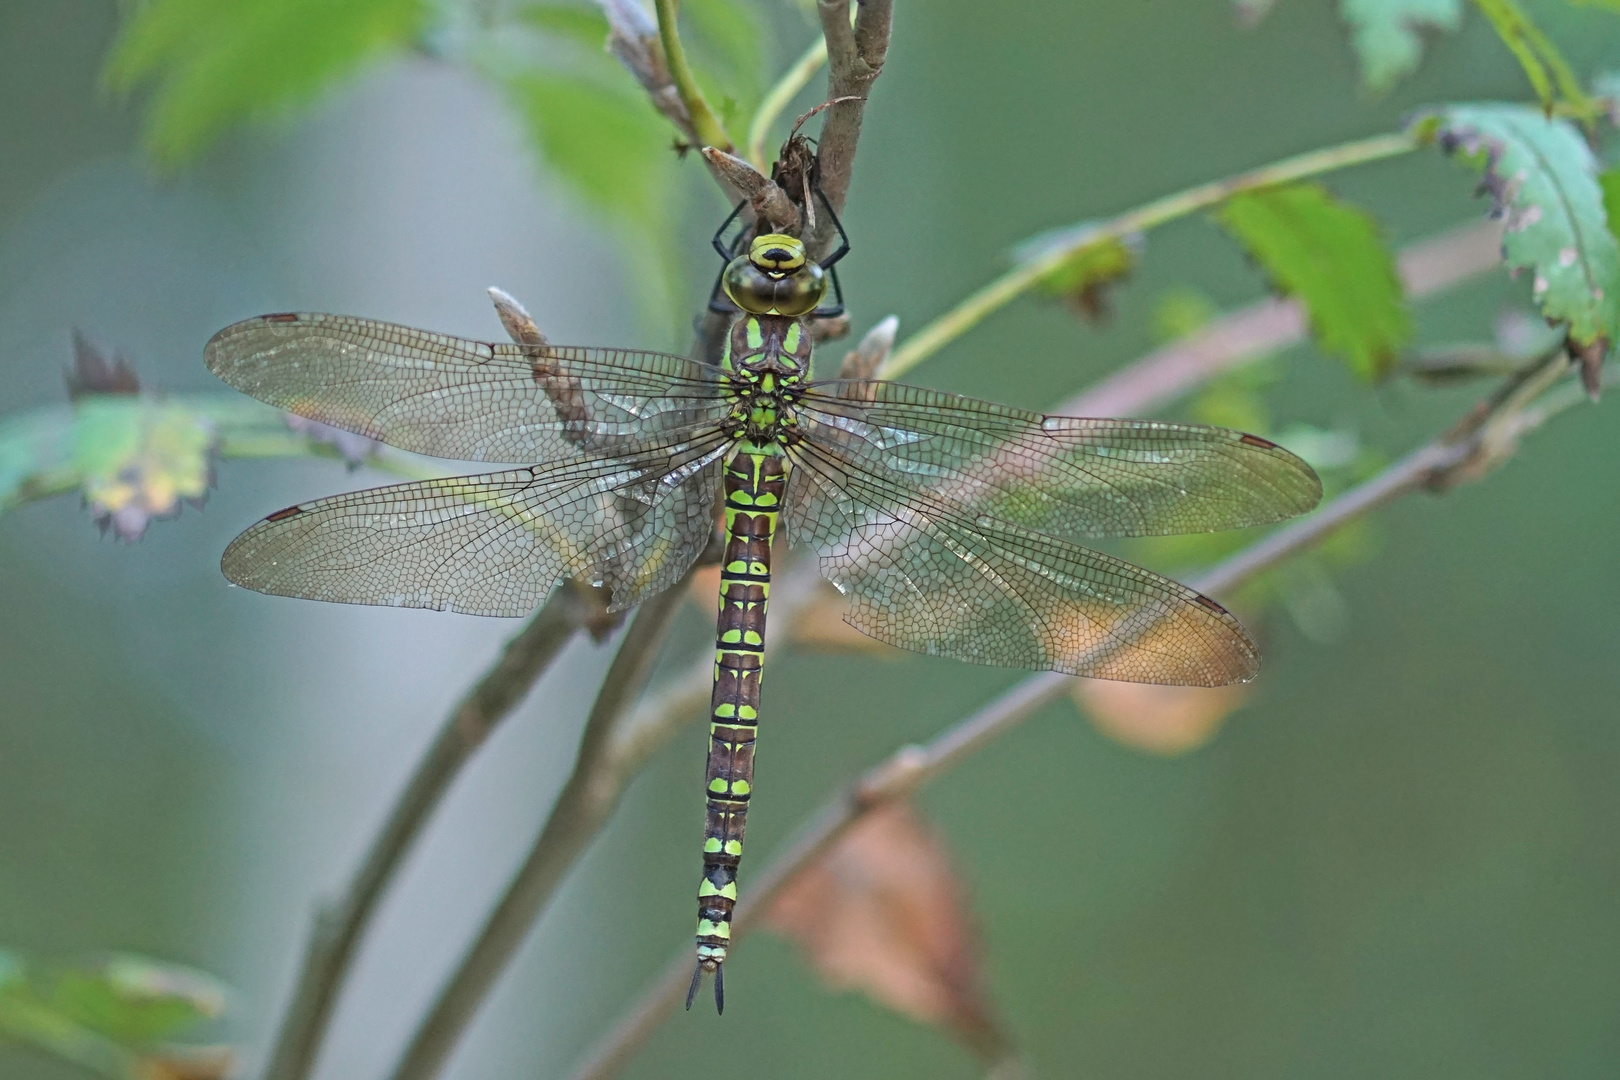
{"x":775,"y":278}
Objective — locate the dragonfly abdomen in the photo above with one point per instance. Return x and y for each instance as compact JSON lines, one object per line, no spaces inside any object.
{"x":755,"y":479}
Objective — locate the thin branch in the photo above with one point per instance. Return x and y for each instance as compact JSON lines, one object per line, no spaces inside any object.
{"x":1482,"y":440}
{"x":705,"y":125}
{"x":855,"y":56}
{"x":1427,"y":267}
{"x":340,"y":926}
{"x":579,"y":812}
{"x":1015,"y":282}
{"x":618,"y":741}
{"x":787,"y":88}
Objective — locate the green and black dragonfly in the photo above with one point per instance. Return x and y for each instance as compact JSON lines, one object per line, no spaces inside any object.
{"x":952,"y":525}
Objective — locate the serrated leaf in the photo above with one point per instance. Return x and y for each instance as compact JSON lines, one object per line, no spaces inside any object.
{"x":1331,"y":256}
{"x":1387,"y":35}
{"x":219,"y":64}
{"x":1543,"y":179}
{"x":1550,"y":75}
{"x":138,"y":458}
{"x":1082,"y":280}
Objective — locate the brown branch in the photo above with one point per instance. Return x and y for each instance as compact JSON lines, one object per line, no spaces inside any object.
{"x":855,"y":57}
{"x":1483,"y":439}
{"x":579,"y":812}
{"x":768,"y":201}
{"x":340,"y":925}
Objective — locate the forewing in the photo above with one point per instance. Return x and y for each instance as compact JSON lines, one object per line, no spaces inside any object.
{"x":1067,"y":477}
{"x":494,"y":544}
{"x":922,"y":575}
{"x":469,"y":400}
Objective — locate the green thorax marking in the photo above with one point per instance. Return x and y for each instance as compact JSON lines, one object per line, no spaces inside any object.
{"x":768,"y":359}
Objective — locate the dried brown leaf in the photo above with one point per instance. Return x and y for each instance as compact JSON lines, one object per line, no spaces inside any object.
{"x":885,"y":913}
{"x":1158,"y":719}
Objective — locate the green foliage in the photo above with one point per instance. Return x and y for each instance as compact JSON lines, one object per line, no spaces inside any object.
{"x":117,"y":1018}
{"x":1388,"y":34}
{"x":1544,"y":180}
{"x":1549,"y":73}
{"x":216,"y":64}
{"x":138,"y":458}
{"x":583,"y":25}
{"x":1332,"y":257}
{"x":609,"y":145}
{"x":1083,"y":278}
{"x":1610,"y":183}
{"x":727,"y":43}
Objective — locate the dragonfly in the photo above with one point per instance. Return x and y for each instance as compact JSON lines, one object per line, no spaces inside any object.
{"x":953,"y":526}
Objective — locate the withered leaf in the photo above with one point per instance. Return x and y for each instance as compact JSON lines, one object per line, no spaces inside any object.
{"x":884,"y":912}
{"x":1158,"y":719}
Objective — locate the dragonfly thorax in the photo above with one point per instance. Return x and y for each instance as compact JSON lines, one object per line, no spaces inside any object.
{"x":767,"y":358}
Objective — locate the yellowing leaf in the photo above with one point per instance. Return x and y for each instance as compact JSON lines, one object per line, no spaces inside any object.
{"x":218,"y":63}
{"x":883,"y":912}
{"x":1543,"y":179}
{"x":1330,"y":256}
{"x":138,"y":458}
{"x":1387,"y":35}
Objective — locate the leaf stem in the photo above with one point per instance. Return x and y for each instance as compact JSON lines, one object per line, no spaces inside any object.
{"x":1436,"y":465}
{"x":1015,"y":282}
{"x":793,"y":80}
{"x":708,"y":128}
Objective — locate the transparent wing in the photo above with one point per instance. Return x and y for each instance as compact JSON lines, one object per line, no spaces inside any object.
{"x":923,"y":574}
{"x":494,"y":544}
{"x":469,"y":400}
{"x":1064,"y":476}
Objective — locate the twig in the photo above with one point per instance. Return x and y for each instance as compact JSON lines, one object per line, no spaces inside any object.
{"x":617,"y":742}
{"x":339,"y":926}
{"x":855,"y":56}
{"x":705,"y":126}
{"x":769,"y":202}
{"x":633,"y":38}
{"x":1015,"y":282}
{"x":1435,"y":466}
{"x":793,"y":80}
{"x":1427,"y":267}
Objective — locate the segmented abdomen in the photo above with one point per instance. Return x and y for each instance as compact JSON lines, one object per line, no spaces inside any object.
{"x":755,"y":479}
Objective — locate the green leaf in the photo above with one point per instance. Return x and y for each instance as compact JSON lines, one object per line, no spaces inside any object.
{"x":728,"y":42}
{"x":584,"y":25}
{"x":1332,"y":257}
{"x":1549,"y":73}
{"x":136,"y":1002}
{"x":1610,"y":183}
{"x":219,"y":64}
{"x":609,"y":145}
{"x":1387,"y":35}
{"x":1543,"y":179}
{"x":1082,"y":279}
{"x":139,"y":457}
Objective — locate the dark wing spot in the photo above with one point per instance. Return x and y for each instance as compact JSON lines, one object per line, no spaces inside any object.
{"x":283,"y":515}
{"x":1255,"y":440}
{"x":1201,"y":598}
{"x":281,"y":316}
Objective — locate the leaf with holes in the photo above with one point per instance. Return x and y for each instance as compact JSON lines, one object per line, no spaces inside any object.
{"x":1387,"y":35}
{"x":220,"y":64}
{"x":1543,"y":180}
{"x":1332,"y":257}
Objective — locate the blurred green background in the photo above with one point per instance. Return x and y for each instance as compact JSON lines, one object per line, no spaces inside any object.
{"x":1399,"y":860}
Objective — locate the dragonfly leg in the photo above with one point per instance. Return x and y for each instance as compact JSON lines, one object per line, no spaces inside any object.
{"x":726,"y":253}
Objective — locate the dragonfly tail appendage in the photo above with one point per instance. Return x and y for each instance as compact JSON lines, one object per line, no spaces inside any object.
{"x":755,"y":479}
